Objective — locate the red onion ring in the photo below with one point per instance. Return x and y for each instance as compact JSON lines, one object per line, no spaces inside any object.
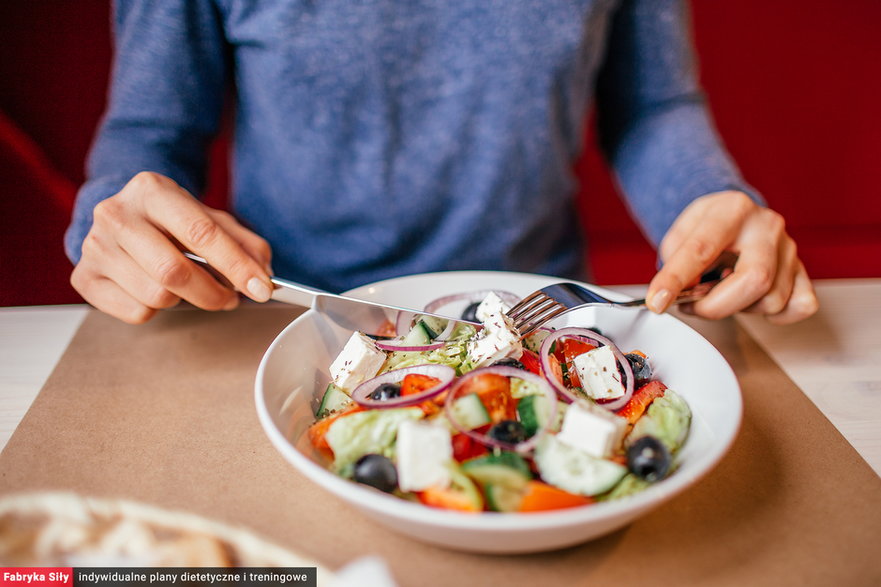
{"x":405,"y":319}
{"x":362,"y":392}
{"x":445,"y":334}
{"x":471,"y":297}
{"x":404,"y":322}
{"x":395,"y":345}
{"x":505,"y":371}
{"x":597,"y":340}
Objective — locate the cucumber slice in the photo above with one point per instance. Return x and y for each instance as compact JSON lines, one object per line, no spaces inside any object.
{"x":534,"y":412}
{"x":419,"y":334}
{"x":505,"y":469}
{"x":333,"y":400}
{"x":461,"y":484}
{"x":507,"y":458}
{"x":574,"y":470}
{"x":668,"y":419}
{"x":629,"y":485}
{"x":502,"y":499}
{"x":434,"y":324}
{"x":469,"y":412}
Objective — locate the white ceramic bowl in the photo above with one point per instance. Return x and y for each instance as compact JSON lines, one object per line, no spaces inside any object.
{"x":294,"y":371}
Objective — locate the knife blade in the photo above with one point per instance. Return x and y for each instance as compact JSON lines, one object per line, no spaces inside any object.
{"x":348,"y":312}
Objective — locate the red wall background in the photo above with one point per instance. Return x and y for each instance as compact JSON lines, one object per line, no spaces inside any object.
{"x":795,"y":87}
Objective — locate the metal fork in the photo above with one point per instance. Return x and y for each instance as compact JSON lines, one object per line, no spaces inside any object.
{"x":542,"y":306}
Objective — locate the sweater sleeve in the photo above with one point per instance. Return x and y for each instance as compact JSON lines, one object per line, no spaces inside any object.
{"x":166,"y":96}
{"x":653,"y":122}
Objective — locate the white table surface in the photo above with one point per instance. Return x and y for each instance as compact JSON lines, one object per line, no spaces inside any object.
{"x":834,"y":357}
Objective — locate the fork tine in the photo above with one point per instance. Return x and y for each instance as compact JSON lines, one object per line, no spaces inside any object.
{"x":535,"y":325}
{"x":540,"y":315}
{"x":531,"y":310}
{"x":522,"y":304}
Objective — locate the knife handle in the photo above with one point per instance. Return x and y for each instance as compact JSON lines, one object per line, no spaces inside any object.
{"x":284,"y":290}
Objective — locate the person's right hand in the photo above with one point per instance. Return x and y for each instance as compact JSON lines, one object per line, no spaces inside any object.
{"x":132,"y":263}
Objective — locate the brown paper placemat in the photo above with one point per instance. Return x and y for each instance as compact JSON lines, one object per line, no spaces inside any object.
{"x":164,"y":413}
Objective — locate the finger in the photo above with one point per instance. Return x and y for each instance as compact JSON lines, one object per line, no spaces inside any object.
{"x":699,"y":249}
{"x":187,"y":221}
{"x":108,"y":297}
{"x":696,"y":214}
{"x":117,"y":266}
{"x":254,"y":244}
{"x":778,"y":296}
{"x":683,"y":226}
{"x":164,"y":265}
{"x":131,"y":277}
{"x":755,"y":271}
{"x":803,"y":302}
{"x":131,"y":252}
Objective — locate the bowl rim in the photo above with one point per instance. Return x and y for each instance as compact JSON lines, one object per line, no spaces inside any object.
{"x":396,"y":507}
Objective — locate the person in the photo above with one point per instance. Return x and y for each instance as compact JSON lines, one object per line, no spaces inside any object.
{"x":382,"y":138}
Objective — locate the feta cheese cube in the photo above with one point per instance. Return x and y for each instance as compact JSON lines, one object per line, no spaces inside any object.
{"x":598,"y":372}
{"x":497,"y":340}
{"x":592,"y":429}
{"x":424,"y":451}
{"x":491,"y":304}
{"x":359,"y":361}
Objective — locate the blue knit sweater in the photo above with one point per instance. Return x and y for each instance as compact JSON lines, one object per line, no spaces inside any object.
{"x":376,"y":138}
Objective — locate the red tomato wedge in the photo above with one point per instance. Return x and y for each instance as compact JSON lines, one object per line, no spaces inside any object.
{"x":556,"y":369}
{"x":541,"y":497}
{"x":640,"y":401}
{"x":465,"y":447}
{"x":573,"y":347}
{"x":494,"y":391}
{"x":417,"y":383}
{"x":531,"y":361}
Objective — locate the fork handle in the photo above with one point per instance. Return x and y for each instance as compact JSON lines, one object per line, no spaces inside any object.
{"x":692,"y":294}
{"x":697,"y":292}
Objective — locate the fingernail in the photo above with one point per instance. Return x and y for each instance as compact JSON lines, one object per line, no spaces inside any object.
{"x":232,"y":304}
{"x":658,"y":302}
{"x":259,"y":290}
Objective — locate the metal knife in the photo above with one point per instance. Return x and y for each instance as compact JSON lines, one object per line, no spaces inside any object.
{"x":349,"y":313}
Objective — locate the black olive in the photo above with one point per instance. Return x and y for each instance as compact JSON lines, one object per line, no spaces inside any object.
{"x":648,"y":459}
{"x":470,"y":313}
{"x":376,"y":471}
{"x":510,"y":362}
{"x":642,"y":370}
{"x":508,"y":431}
{"x":385,"y":391}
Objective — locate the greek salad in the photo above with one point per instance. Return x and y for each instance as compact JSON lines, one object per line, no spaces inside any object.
{"x":480,"y":419}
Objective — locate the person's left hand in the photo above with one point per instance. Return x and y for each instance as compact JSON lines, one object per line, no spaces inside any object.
{"x":768,"y":277}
